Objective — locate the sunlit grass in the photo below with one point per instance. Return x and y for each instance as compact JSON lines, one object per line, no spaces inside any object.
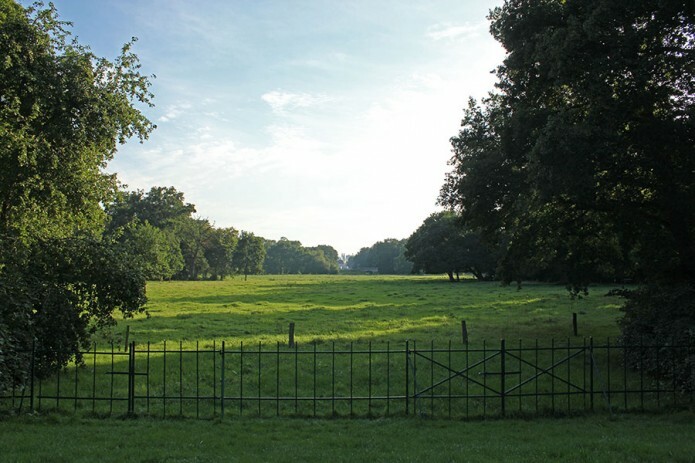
{"x":363,"y":308}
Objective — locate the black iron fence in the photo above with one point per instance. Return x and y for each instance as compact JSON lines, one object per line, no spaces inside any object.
{"x":438,"y":380}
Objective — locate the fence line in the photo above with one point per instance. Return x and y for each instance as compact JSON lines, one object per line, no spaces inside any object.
{"x":445,"y":380}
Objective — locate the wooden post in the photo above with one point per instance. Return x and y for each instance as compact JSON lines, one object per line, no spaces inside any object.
{"x":464,"y":332}
{"x":574,"y":323}
{"x":127,"y":335}
{"x":291,"y":334}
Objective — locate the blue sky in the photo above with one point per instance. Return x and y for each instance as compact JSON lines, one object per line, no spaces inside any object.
{"x":326,"y":122}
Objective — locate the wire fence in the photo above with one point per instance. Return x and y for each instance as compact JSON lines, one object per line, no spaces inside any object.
{"x":367,"y":380}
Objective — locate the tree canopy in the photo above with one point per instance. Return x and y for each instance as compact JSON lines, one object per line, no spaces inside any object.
{"x":442,"y":244}
{"x":583,"y":159}
{"x":63,"y":111}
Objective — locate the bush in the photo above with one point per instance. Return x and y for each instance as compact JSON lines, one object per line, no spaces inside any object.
{"x":662,"y":315}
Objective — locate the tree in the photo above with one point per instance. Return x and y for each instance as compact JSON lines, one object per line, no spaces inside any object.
{"x":219,"y":251}
{"x":161,"y":207}
{"x":63,"y":110}
{"x":387,"y":257}
{"x":283,"y":257}
{"x":193,"y":234}
{"x":443,"y":245}
{"x":583,"y":162}
{"x":157,"y":252}
{"x":589,"y":136}
{"x":249,"y":254}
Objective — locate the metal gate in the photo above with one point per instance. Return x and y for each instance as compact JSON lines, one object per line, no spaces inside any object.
{"x":501,"y":380}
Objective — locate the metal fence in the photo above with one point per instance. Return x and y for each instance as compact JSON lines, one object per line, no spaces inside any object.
{"x":436,"y":380}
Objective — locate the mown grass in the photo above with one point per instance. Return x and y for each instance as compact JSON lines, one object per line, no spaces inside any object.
{"x":633,"y":438}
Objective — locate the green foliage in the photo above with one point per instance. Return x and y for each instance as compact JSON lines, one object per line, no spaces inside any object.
{"x":386,"y":257}
{"x":249,"y":254}
{"x":443,"y":245}
{"x":63,"y":110}
{"x":290,"y":257}
{"x":582,"y":162}
{"x":662,"y":315}
{"x":155,"y":251}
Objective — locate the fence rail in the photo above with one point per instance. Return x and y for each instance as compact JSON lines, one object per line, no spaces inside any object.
{"x":445,"y":380}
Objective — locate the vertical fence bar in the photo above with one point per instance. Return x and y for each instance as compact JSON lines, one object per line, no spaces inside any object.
{"x":131,"y":379}
{"x":333,"y":379}
{"x":112,"y":378}
{"x":552,"y":375}
{"x":260,"y":347}
{"x":351,"y":376}
{"x":164,"y":379}
{"x":31,"y":375}
{"x":314,"y":402}
{"x":608,"y":371}
{"x":519,"y":378}
{"x":484,"y":378}
{"x":147,"y":382}
{"x":432,"y":378}
{"x":503,"y":373}
{"x":407,"y":378}
{"x":222,"y":393}
{"x":75,"y":390}
{"x":641,"y":372}
{"x":277,"y":380}
{"x":591,"y":373}
{"x":369,"y":380}
{"x":214,"y":377}
{"x":197,"y":379}
{"x":449,"y":385}
{"x":468,"y":399}
{"x":625,"y":383}
{"x":241,"y":378}
{"x":94,"y":378}
{"x":658,"y":378}
{"x":569,"y":376}
{"x":388,"y":378}
{"x":180,"y":378}
{"x":296,"y":380}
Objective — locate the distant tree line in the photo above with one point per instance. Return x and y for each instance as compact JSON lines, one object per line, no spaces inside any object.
{"x":158,"y":231}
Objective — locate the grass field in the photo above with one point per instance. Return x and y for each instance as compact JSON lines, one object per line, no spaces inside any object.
{"x":633,"y":438}
{"x":365,"y":308}
{"x":359,"y":310}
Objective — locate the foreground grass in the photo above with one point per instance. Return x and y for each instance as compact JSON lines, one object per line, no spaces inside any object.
{"x":630,"y":438}
{"x":364,"y":308}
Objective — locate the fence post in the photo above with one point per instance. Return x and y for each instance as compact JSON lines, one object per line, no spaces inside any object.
{"x":503,"y":374}
{"x":574,"y":323}
{"x":464,"y":332}
{"x":407,"y":378}
{"x":291,"y":343}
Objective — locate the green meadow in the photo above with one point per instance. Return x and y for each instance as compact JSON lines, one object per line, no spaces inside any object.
{"x":331,"y":311}
{"x":362,"y":309}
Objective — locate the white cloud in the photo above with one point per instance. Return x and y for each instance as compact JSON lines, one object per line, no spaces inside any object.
{"x":174,"y":111}
{"x":447,"y":31}
{"x":281,"y":102}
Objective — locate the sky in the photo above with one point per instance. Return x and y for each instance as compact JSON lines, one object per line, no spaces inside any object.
{"x":322,"y":121}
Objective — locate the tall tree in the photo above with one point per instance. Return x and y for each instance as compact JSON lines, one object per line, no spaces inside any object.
{"x":62,"y":112}
{"x":587,"y":148}
{"x":249,"y":254}
{"x":443,"y":245}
